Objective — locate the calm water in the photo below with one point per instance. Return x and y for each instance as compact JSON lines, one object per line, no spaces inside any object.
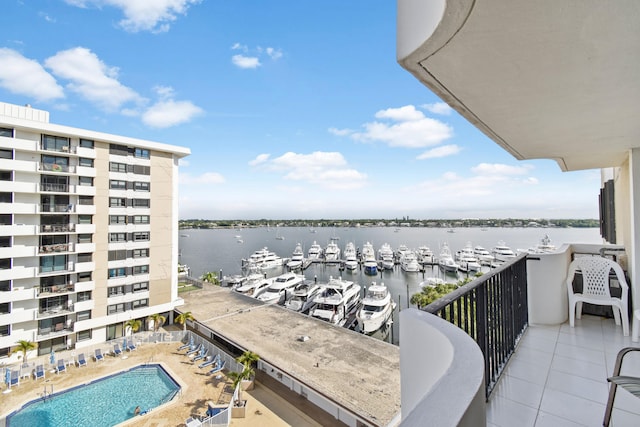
{"x":215,"y":250}
{"x":104,"y":402}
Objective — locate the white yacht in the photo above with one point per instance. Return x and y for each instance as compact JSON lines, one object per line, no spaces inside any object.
{"x":350,"y":256}
{"x":377,"y":308}
{"x":385,"y":256}
{"x":545,"y":246}
{"x":281,"y":288}
{"x":337,"y":299}
{"x":467,"y":260}
{"x":409,"y":262}
{"x":263,"y":259}
{"x":401,"y":250}
{"x":445,"y":260}
{"x":431,"y":281}
{"x":425,"y":255}
{"x":483,"y":255}
{"x":369,"y":259}
{"x":302,"y":296}
{"x":502,"y":252}
{"x":297,"y":258}
{"x":254,"y":287}
{"x":315,"y":252}
{"x":332,"y":252}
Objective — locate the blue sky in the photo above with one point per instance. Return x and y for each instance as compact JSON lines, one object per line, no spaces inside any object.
{"x":291,"y":109}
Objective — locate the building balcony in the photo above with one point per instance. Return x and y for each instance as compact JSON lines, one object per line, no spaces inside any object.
{"x":59,"y":247}
{"x":541,"y":373}
{"x":48,"y":270}
{"x":54,"y":311}
{"x":55,"y":188}
{"x":56,"y":331}
{"x":53,"y":208}
{"x":54,"y":167}
{"x":57,"y":228}
{"x":53,"y":148}
{"x":48,"y":291}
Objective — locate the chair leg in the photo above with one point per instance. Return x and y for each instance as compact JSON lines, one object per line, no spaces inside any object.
{"x":616,"y":314}
{"x":624,"y":313}
{"x":578,"y":309}
{"x":572,"y":314}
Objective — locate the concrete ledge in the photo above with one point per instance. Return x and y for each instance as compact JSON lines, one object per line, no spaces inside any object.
{"x":442,"y":373}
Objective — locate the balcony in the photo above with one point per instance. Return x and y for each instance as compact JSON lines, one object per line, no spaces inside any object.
{"x":56,"y":208}
{"x":59,"y":247}
{"x":56,"y":188}
{"x":59,"y":329}
{"x":57,"y":228}
{"x":56,"y":310}
{"x":537,"y":370}
{"x":47,"y":291}
{"x":54,"y":167}
{"x":57,"y":148}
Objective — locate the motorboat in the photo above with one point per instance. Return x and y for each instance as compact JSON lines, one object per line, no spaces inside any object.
{"x":409,"y":262}
{"x":315,"y":252}
{"x":336,"y":300}
{"x":238,"y":280}
{"x":385,"y":256}
{"x":445,"y":260}
{"x":281,"y":288}
{"x":401,"y":250}
{"x":431,"y":281}
{"x":545,"y":246}
{"x":467,"y":260}
{"x":376,"y":310}
{"x":302,"y":296}
{"x":369,"y":259}
{"x":502,"y":252}
{"x":332,"y":252}
{"x":254,"y":287}
{"x":350,"y":256}
{"x":263,"y":259}
{"x":425,"y":255}
{"x":483,"y":255}
{"x":297,"y":258}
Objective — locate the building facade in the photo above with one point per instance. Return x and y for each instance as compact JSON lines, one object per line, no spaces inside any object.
{"x":88,"y":232}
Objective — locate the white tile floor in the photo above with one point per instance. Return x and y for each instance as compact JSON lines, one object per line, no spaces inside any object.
{"x":558,"y":377}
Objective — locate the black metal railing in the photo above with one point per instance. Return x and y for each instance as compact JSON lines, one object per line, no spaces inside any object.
{"x":492,"y":309}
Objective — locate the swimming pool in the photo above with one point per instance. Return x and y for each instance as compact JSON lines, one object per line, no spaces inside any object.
{"x":103,"y":402}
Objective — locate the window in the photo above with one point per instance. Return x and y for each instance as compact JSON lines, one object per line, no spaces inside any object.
{"x":55,"y":143}
{"x":84,"y":276}
{"x":140,"y":303}
{"x":5,"y":263}
{"x":6,"y":176}
{"x":118,"y":255}
{"x":5,"y":308}
{"x":85,"y":219}
{"x":83,"y":161}
{"x":5,"y":330}
{"x":83,"y":315}
{"x":83,"y":335}
{"x":53,"y":263}
{"x":4,"y":352}
{"x":141,"y":287}
{"x":85,"y":180}
{"x":116,"y":184}
{"x":84,"y":296}
{"x":114,"y":291}
{"x":85,"y":200}
{"x":7,"y":132}
{"x":117,"y":219}
{"x":5,"y":286}
{"x":117,"y":272}
{"x":141,"y":170}
{"x":141,"y":203}
{"x":6,"y":219}
{"x":86,"y":143}
{"x":118,"y":150}
{"x":141,"y":253}
{"x":141,"y":236}
{"x":6,"y":197}
{"x":86,"y":257}
{"x":117,"y":202}
{"x":5,"y":241}
{"x":117,"y":237}
{"x":142,"y":186}
{"x":141,"y":152}
{"x":139,"y":219}
{"x":117,"y":167}
{"x":85,"y":238}
{"x":141,"y":269}
{"x":116,"y":308}
{"x":6,"y":154}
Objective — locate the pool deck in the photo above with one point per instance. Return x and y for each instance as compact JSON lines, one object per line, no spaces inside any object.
{"x":264,"y":407}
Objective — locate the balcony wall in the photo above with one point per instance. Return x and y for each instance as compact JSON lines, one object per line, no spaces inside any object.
{"x":442,"y":367}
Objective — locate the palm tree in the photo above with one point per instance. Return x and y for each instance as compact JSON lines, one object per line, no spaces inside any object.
{"x":211,"y":277}
{"x":248,"y":360}
{"x":24,"y":347}
{"x":133,"y":324}
{"x":182,"y":319}
{"x":237,"y":378}
{"x":158,"y":320}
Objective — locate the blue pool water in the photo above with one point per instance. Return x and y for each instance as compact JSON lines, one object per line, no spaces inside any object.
{"x":104,"y":402}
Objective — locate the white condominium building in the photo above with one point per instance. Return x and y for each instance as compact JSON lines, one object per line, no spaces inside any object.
{"x":88,"y":232}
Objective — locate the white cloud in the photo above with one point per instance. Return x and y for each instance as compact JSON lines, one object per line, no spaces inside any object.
{"x":167,"y":113}
{"x":143,"y":15}
{"x":409,"y":128}
{"x":245,"y":62}
{"x":262,"y":158}
{"x":91,"y":78}
{"x":325,"y":169}
{"x":274,"y":54}
{"x":438,"y":152}
{"x":501,"y":169}
{"x":24,"y":76}
{"x":205,"y":178}
{"x":340,"y":132}
{"x":438,"y":108}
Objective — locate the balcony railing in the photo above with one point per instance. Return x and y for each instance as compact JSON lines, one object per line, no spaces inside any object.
{"x":55,"y":289}
{"x":60,"y":188}
{"x":57,"y":228}
{"x":58,"y":247}
{"x":493,"y":311}
{"x":54,"y":167}
{"x":55,"y":310}
{"x":59,"y":148}
{"x":67,"y":207}
{"x":57,"y":329}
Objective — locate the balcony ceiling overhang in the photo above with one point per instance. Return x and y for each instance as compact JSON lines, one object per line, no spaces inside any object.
{"x":554,"y":79}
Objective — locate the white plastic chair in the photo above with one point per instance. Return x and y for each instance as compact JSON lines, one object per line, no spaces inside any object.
{"x":595,"y":288}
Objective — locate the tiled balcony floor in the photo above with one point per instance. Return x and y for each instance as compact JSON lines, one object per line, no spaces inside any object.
{"x":558,"y":377}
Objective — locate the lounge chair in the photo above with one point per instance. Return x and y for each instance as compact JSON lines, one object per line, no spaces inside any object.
{"x":131,"y":346}
{"x":117,"y":351}
{"x":210,"y":361}
{"x":39,"y":372}
{"x":184,"y":346}
{"x":203,"y":353}
{"x":194,"y":350}
{"x":14,"y":379}
{"x":193,"y":422}
{"x":219,"y":367}
{"x":81,"y":360}
{"x":61,"y":367}
{"x":98,"y":355}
